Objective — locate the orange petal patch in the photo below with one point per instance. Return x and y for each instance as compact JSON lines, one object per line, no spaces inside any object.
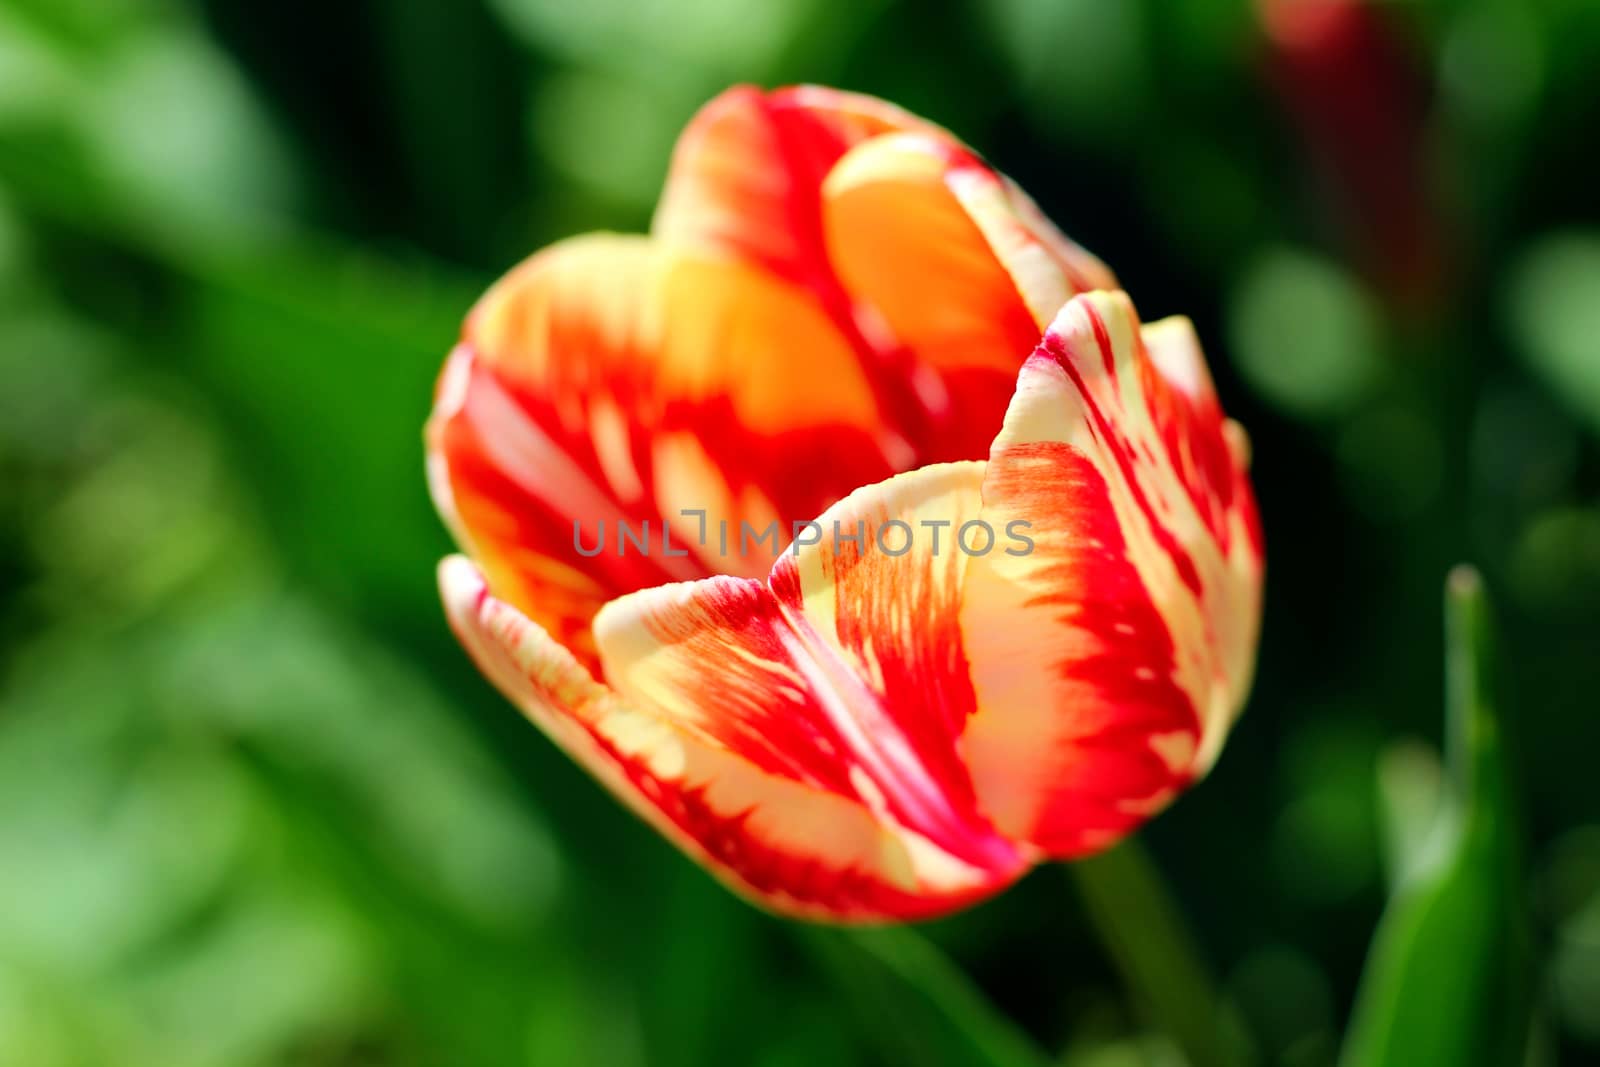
{"x":941,"y":312}
{"x":958,"y":260}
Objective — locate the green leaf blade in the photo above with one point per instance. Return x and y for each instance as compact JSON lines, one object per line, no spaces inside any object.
{"x":1447,"y":976}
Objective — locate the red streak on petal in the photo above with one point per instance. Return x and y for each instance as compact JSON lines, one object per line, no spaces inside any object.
{"x":1110,"y":652}
{"x":1116,"y":442}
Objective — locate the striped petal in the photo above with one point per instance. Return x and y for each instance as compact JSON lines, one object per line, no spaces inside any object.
{"x":615,"y":381}
{"x":843,"y":673}
{"x":1109,"y":661}
{"x":785,"y":843}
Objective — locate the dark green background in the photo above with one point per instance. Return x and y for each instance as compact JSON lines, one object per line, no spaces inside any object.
{"x":257,"y":808}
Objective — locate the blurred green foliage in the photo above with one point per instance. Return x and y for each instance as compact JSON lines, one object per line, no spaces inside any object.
{"x":256,"y":808}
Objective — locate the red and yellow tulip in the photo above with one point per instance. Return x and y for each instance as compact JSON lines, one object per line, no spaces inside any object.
{"x":845,"y":323}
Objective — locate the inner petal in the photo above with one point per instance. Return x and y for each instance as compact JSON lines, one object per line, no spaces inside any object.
{"x":928,"y":287}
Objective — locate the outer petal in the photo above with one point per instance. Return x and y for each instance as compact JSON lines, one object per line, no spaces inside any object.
{"x":786,"y":842}
{"x":613,"y":380}
{"x":845,"y":673}
{"x":1110,"y":661}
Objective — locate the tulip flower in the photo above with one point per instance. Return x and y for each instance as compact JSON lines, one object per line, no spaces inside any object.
{"x":1020,"y":611}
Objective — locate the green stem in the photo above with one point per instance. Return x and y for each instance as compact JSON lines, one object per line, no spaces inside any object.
{"x":915,"y":1003}
{"x":1148,"y":942}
